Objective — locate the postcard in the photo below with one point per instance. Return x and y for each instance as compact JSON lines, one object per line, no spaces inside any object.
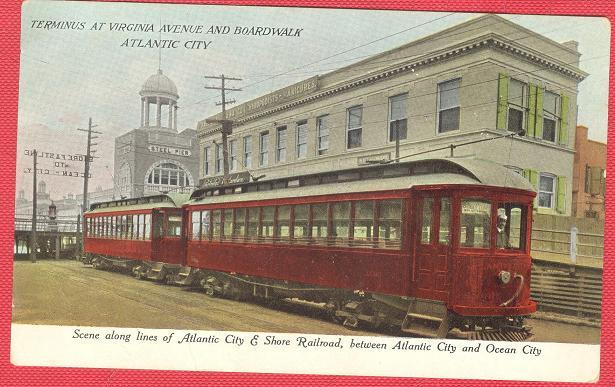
{"x":310,"y":191}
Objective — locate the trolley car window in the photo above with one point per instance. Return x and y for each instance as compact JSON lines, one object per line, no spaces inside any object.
{"x":216,"y":221}
{"x":135,"y":227}
{"x":227,"y":229}
{"x":445,"y":221}
{"x":283,"y":223}
{"x":319,"y":222}
{"x":475,"y":223}
{"x":174,"y":226}
{"x":426,"y":220}
{"x":267,"y":223}
{"x":389,"y":223}
{"x":239,"y":227}
{"x":340,"y":223}
{"x":125,"y":222}
{"x":206,"y":225}
{"x":148,"y":226}
{"x":302,"y":227}
{"x":196,"y":225}
{"x":363,"y":232}
{"x":511,"y":226}
{"x":252,"y":224}
{"x":141,"y":220}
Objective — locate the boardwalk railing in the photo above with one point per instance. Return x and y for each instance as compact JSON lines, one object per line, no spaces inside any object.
{"x":567,"y":289}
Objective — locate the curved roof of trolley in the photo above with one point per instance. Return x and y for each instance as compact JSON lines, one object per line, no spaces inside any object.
{"x":159,"y":84}
{"x":435,"y":171}
{"x":168,"y":200}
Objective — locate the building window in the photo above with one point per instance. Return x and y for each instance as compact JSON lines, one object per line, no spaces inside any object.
{"x":550,"y":116}
{"x":448,"y":106}
{"x":546,"y":189}
{"x":517,"y":105}
{"x":264,"y":149}
{"x":168,"y":175}
{"x":206,"y":161}
{"x":247,"y":152}
{"x":219,"y":158}
{"x":398,"y":117}
{"x":233,"y":149}
{"x":322,"y":127}
{"x":354,"y":129}
{"x":281,"y":144}
{"x":301,"y":139}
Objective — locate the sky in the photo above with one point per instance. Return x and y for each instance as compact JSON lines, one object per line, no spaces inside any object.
{"x":70,"y":75}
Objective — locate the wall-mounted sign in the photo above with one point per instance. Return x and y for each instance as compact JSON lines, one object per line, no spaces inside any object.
{"x":286,"y":94}
{"x":169,"y":150}
{"x":375,"y":158}
{"x":234,"y":178}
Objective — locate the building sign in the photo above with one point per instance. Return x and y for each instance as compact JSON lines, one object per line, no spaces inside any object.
{"x":374,"y":159}
{"x":55,"y":172}
{"x":234,"y":178}
{"x":169,"y":150}
{"x":56,"y":156}
{"x":278,"y":97}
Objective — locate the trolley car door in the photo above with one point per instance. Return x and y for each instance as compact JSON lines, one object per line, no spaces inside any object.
{"x":157,"y":233}
{"x":433,"y":242}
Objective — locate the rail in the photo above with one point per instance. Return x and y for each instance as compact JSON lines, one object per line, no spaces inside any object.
{"x":567,"y":289}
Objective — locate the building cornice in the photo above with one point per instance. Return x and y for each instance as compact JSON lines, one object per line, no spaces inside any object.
{"x":487,"y":41}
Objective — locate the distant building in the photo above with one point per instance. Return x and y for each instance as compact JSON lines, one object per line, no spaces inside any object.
{"x":68,"y":207}
{"x":155,"y":158}
{"x":589,"y":176}
{"x":480,"y":79}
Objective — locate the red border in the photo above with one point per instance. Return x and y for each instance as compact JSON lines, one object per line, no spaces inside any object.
{"x":9,"y":79}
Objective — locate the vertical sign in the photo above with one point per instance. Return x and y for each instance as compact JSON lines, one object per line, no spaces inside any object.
{"x":573,"y":244}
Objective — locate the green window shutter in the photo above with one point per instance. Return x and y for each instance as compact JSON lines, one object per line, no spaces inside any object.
{"x":561,"y":194}
{"x":502,"y":101}
{"x":539,"y":106}
{"x":532,"y":176}
{"x":531,"y":117}
{"x":563,"y":127}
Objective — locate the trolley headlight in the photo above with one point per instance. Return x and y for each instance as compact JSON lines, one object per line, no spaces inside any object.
{"x":504,"y":277}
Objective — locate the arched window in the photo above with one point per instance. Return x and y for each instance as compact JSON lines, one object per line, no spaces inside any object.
{"x":168,"y":175}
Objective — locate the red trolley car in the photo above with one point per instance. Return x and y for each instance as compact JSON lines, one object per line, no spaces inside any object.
{"x":143,"y":235}
{"x":435,"y":247}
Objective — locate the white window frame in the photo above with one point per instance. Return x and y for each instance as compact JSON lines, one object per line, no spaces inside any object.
{"x":206,"y":162}
{"x":551,"y":116}
{"x":219,"y":162}
{"x":349,"y":129}
{"x":301,"y":125}
{"x":438,"y":100}
{"x":233,"y":154}
{"x":523,"y":108}
{"x":390,"y":118}
{"x":247,"y":153}
{"x":263,"y":159}
{"x":280,"y":151}
{"x":553,"y":193}
{"x":319,"y":136}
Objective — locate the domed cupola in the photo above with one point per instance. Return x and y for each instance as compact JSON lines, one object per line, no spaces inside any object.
{"x":160,"y":91}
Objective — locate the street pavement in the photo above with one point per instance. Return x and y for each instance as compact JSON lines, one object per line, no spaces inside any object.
{"x":68,"y":293}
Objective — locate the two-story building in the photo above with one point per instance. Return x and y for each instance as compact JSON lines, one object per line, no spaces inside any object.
{"x":480,"y":79}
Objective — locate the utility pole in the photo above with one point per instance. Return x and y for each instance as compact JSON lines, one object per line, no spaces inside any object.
{"x":86,"y":172}
{"x":33,"y":232}
{"x":227,"y":125}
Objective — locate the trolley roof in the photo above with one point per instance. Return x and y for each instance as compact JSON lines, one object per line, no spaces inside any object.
{"x":169,"y":200}
{"x":370,"y":179}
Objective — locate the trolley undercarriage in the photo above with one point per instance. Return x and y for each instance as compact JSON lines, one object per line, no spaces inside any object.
{"x":352,"y":309}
